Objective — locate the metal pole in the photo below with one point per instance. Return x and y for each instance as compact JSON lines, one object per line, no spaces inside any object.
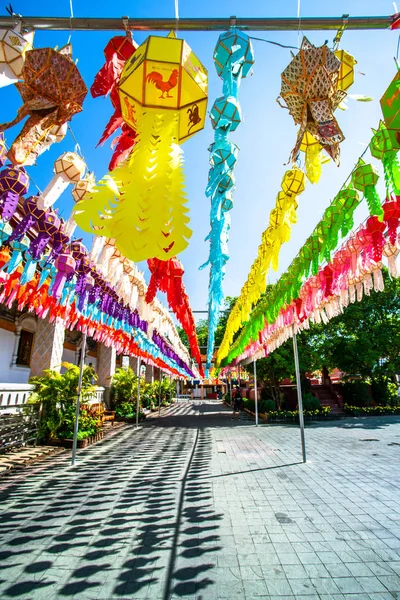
{"x":177,"y":390}
{"x":193,"y":24}
{"x":78,"y":400}
{"x":299,"y":396}
{"x":159,"y":396}
{"x":255,"y":390}
{"x":230,"y":387}
{"x":138,"y":392}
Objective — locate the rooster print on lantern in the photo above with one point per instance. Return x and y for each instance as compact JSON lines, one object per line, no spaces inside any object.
{"x":164,"y":86}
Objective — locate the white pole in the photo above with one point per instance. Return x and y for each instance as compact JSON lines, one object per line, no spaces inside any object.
{"x":159,"y":396}
{"x":138,"y":391}
{"x":78,"y":401}
{"x":299,"y":397}
{"x":255,"y":391}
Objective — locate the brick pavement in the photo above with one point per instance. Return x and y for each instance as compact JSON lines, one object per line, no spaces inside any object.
{"x":196,"y":506}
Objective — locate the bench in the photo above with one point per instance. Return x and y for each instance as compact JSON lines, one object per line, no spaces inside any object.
{"x":99,"y":411}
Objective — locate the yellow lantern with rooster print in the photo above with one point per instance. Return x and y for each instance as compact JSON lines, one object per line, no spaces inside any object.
{"x":164,"y":73}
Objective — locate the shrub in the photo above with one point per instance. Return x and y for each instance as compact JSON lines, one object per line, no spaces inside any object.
{"x":58,"y":392}
{"x":310,"y":402}
{"x":123,"y":386}
{"x":267,"y":406}
{"x":356,"y":393}
{"x":249,"y":404}
{"x":384,"y":391}
{"x":370,"y":411}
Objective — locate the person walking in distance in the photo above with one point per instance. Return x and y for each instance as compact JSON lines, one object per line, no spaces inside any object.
{"x":237,"y":404}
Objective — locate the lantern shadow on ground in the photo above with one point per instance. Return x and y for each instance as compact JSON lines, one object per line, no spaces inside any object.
{"x":130,"y":518}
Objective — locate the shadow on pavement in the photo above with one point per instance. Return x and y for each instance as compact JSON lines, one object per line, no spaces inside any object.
{"x":131,"y":520}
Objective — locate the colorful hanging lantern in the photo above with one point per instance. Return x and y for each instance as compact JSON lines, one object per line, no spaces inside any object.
{"x":68,"y":168}
{"x":346,"y":71}
{"x":233,"y":59}
{"x":65,"y":265}
{"x":163,"y":93}
{"x":53,"y":91}
{"x":164,"y":73}
{"x":391,"y":211}
{"x":83,"y":187}
{"x":390,"y":105}
{"x":118,"y":50}
{"x":13,"y":47}
{"x":376,"y":229}
{"x":364,"y":178}
{"x":293,"y":182}
{"x":384,"y":146}
{"x":310,"y":90}
{"x":14,"y":183}
{"x":348,"y":199}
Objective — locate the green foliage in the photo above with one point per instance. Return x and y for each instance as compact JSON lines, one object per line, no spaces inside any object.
{"x":124,"y":386}
{"x":249,"y":404}
{"x":310,"y":402}
{"x":127,"y":411}
{"x":267,"y":406}
{"x":371,"y":411}
{"x":58,"y":395}
{"x":384,"y":391}
{"x":356,"y":392}
{"x":293,"y":415}
{"x":124,"y":389}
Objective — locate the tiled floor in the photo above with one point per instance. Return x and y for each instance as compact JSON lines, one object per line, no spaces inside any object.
{"x":197,"y":506}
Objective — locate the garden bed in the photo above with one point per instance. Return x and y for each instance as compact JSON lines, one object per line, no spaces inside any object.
{"x":370,"y":411}
{"x":67,"y":443}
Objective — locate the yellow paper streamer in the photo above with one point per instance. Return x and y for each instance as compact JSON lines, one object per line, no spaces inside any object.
{"x":281,"y":219}
{"x":142,"y":204}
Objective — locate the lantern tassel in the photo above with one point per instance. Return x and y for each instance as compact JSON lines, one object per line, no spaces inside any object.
{"x":373,"y":201}
{"x":29,"y":270}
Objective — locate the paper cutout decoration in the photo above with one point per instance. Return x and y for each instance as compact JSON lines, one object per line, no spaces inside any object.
{"x":233,"y":59}
{"x":281,"y":219}
{"x":13,"y":47}
{"x":53,"y":91}
{"x":142,"y":206}
{"x":311,"y":92}
{"x":118,"y":50}
{"x":167,"y":276}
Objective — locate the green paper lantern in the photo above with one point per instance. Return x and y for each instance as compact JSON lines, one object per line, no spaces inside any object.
{"x":390,"y":105}
{"x":383,"y":148}
{"x":364,"y":179}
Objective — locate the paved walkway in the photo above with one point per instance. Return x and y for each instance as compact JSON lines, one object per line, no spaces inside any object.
{"x":196,"y":506}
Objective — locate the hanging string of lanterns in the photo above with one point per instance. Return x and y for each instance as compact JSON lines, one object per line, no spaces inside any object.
{"x":233,"y":58}
{"x":355,"y":270}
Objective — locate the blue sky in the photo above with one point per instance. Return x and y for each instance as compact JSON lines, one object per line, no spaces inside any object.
{"x":265,"y":137}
